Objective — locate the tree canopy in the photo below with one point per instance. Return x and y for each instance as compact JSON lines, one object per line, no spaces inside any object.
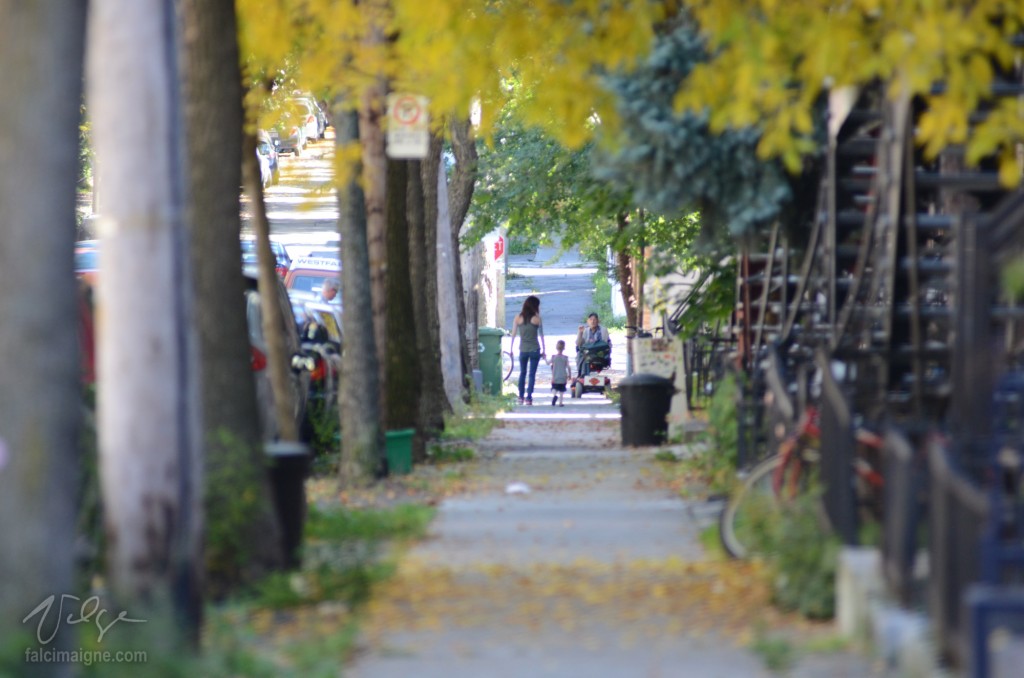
{"x":673,"y":162}
{"x":772,"y":61}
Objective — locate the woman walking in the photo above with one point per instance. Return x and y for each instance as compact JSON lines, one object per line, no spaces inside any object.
{"x":530,"y":329}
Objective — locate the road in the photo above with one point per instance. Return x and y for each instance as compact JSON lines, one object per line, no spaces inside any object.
{"x":302,"y":207}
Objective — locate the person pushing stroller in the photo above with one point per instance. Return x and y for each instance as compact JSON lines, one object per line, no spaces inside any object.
{"x":590,"y":335}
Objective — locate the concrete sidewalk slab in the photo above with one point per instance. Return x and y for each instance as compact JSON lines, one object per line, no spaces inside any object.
{"x":595,"y":571}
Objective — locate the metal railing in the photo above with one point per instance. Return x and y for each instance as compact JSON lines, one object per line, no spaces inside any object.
{"x":704,"y":360}
{"x":959,"y":513}
{"x":904,"y":507}
{"x":838,"y":454}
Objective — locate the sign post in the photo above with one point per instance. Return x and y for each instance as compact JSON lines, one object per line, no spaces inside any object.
{"x":408,"y":134}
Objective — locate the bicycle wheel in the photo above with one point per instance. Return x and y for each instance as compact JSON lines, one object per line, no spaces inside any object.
{"x":752,"y":501}
{"x":508,"y":364}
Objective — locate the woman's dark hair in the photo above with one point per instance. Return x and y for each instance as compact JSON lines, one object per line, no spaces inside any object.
{"x":531,"y":307}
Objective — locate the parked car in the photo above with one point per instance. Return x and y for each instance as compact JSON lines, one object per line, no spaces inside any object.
{"x":266,"y":176}
{"x":309,"y":117}
{"x":325,"y":254}
{"x":306,"y":277}
{"x":319,"y":110}
{"x":87,"y":260}
{"x":289,"y":138}
{"x":266,"y":146}
{"x":299,"y":375}
{"x":284,"y":261}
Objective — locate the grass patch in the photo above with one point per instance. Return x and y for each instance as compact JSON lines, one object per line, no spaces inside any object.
{"x":778,"y":654}
{"x":479,"y":418}
{"x":666,"y":456}
{"x":407,"y":521}
{"x":349,"y":585}
{"x":712,"y":542}
{"x":829,"y":644}
{"x":305,"y":623}
{"x":601,"y":303}
{"x":450,"y":455}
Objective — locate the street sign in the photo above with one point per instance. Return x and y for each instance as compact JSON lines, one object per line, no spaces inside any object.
{"x":408,"y":135}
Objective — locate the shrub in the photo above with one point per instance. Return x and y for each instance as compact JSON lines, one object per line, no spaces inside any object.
{"x":802,"y":553}
{"x":716,"y":463}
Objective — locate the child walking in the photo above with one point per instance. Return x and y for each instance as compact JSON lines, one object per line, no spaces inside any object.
{"x":560,"y":374}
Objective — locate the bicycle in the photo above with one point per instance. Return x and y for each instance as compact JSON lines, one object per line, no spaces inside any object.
{"x":779,"y":478}
{"x":508,"y":364}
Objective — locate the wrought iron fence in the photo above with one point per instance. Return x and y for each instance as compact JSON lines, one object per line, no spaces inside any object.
{"x":905,"y":505}
{"x":838,"y":454}
{"x":704,"y":358}
{"x":959,"y":512}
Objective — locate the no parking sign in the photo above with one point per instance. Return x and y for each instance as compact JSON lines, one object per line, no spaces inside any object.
{"x":408,"y":133}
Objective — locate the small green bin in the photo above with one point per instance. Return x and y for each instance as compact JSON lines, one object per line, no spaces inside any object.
{"x":490,"y":358}
{"x":399,"y":451}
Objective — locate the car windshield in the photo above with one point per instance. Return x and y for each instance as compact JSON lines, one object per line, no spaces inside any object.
{"x":307,"y":283}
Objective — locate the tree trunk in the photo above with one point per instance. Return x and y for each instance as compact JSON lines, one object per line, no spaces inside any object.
{"x":148,"y":399}
{"x":213,"y":115}
{"x":426,"y":350}
{"x":375,"y":172}
{"x":359,"y":397}
{"x":461,"y":196}
{"x":449,"y":299}
{"x":624,"y":272}
{"x":435,"y":398}
{"x":279,"y":362}
{"x":403,"y":387}
{"x":40,"y":403}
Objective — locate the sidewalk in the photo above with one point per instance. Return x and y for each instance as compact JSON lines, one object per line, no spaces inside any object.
{"x":570,"y":558}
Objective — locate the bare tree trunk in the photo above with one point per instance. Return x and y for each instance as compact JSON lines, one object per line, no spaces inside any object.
{"x":279,"y":362}
{"x":624,"y":272}
{"x":375,"y":171}
{"x":421,"y":318}
{"x":471,"y":276}
{"x":434,"y":396}
{"x":403,"y":359}
{"x":359,"y":397}
{"x":148,"y":400}
{"x":449,"y":298}
{"x":460,"y":198}
{"x":213,"y":114}
{"x":40,"y":404}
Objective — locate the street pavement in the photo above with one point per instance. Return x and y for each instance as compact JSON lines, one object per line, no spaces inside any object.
{"x":569,"y":558}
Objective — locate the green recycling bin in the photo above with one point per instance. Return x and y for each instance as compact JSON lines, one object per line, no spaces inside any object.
{"x":399,"y":451}
{"x":490,"y":358}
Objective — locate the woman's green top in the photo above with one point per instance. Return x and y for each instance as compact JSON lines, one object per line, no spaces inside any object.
{"x":528,"y":337}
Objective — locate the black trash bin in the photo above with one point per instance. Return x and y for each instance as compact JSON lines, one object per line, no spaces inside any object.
{"x":289,"y":467}
{"x":645,"y":404}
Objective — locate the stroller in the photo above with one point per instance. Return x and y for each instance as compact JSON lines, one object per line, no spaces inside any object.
{"x":590,"y":361}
